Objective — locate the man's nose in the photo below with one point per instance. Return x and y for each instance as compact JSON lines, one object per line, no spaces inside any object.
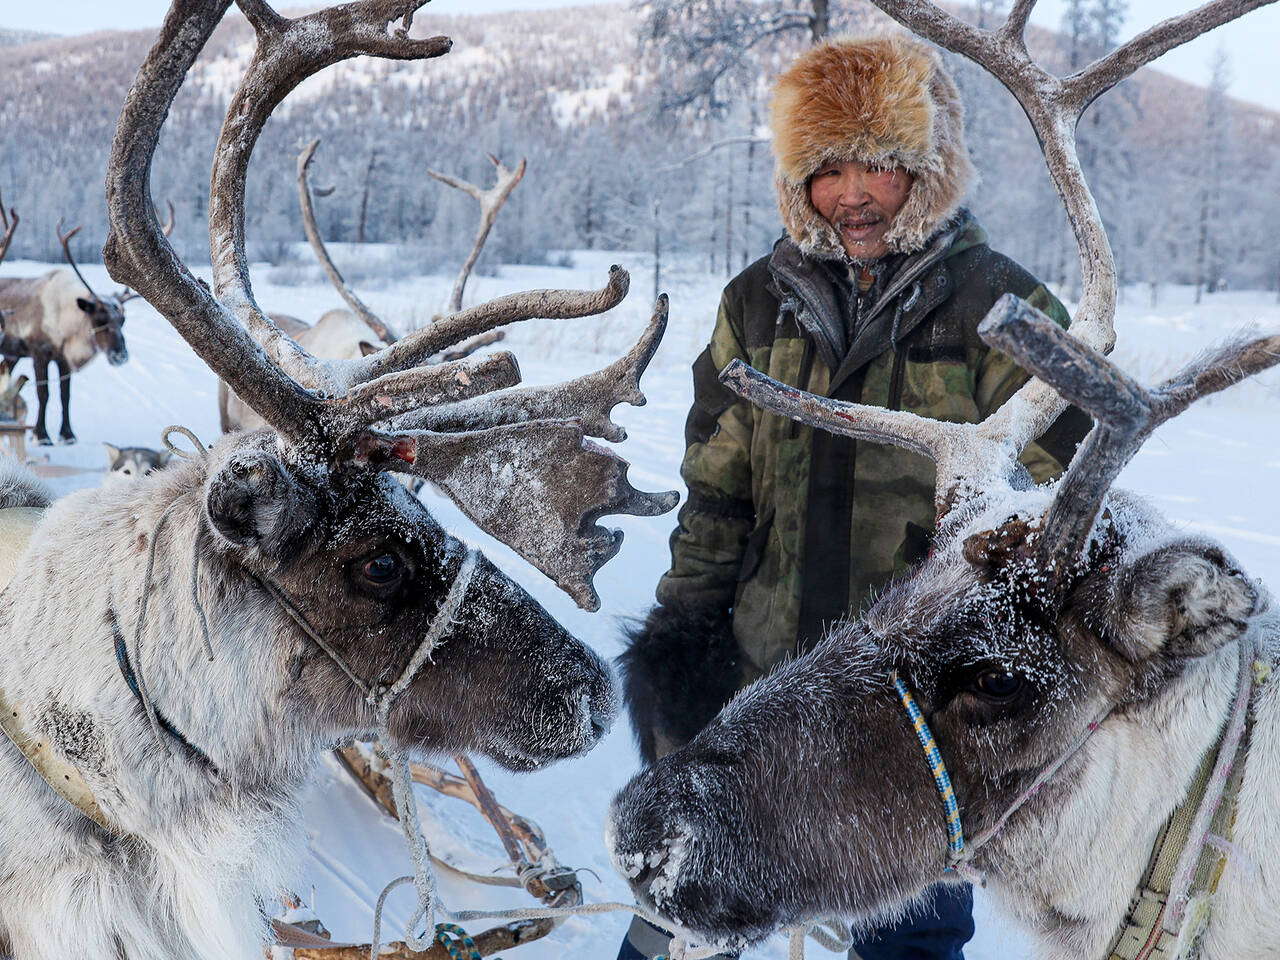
{"x":853,"y":190}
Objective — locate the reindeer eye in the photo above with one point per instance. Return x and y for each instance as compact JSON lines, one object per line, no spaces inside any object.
{"x":382,"y":569}
{"x":998,"y":684}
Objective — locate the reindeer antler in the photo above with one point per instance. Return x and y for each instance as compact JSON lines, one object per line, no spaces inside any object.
{"x":65,"y":240}
{"x":971,"y":456}
{"x":8,"y":224}
{"x":318,"y":248}
{"x":491,"y":202}
{"x":527,"y":475}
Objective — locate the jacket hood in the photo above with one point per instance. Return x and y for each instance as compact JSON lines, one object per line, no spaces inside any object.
{"x":885,"y":100}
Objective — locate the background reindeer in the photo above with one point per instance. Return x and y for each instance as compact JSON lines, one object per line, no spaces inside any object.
{"x":331,"y":603}
{"x":54,"y":322}
{"x":1086,"y":682}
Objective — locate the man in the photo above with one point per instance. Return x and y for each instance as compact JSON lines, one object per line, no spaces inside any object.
{"x":874,"y":295}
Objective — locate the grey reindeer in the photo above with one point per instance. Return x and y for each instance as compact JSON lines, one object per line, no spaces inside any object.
{"x":151,"y":793}
{"x":55,"y":323}
{"x":1067,"y":701}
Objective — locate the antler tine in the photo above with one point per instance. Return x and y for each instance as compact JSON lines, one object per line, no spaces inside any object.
{"x":419,"y":346}
{"x":65,"y":240}
{"x":167,"y":229}
{"x":966,"y":460}
{"x":929,"y":438}
{"x":491,"y":202}
{"x":1125,"y":412}
{"x":442,"y":383}
{"x":322,"y":254}
{"x":538,"y":487}
{"x":8,"y":224}
{"x":289,"y":51}
{"x":589,"y":398}
{"x":1081,"y":89}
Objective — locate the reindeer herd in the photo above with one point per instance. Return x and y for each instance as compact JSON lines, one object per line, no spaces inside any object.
{"x":1073,"y":678}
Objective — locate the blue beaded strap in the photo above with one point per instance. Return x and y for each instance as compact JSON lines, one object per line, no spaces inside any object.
{"x":955,"y":832}
{"x":457,"y":942}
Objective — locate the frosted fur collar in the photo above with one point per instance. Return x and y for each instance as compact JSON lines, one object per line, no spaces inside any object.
{"x":877,"y":99}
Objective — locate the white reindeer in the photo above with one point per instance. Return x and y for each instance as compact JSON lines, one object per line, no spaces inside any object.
{"x":175,"y":652}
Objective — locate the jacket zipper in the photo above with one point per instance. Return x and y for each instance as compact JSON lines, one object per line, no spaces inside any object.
{"x":806,"y":367}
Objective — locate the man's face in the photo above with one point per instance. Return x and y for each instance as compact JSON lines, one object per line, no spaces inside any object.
{"x":860,"y":201}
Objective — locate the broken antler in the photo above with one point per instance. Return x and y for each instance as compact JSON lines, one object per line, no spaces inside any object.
{"x":1125,"y":412}
{"x":317,"y":247}
{"x":491,"y":202}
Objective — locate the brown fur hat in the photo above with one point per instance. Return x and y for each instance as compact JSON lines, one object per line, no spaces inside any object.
{"x":878,"y":99}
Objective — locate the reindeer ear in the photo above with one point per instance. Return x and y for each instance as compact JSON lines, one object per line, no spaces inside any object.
{"x":1186,"y":599}
{"x":86,"y":305}
{"x":366,"y":348}
{"x":253,"y":502}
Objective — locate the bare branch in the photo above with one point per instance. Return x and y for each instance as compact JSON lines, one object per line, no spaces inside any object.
{"x":318,"y":248}
{"x":708,"y":150}
{"x":1097,"y":78}
{"x":589,"y":398}
{"x":491,"y":202}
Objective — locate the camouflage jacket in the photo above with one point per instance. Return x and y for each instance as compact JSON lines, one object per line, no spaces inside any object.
{"x":792,"y":528}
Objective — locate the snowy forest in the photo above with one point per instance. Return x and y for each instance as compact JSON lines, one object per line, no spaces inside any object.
{"x":645,"y":127}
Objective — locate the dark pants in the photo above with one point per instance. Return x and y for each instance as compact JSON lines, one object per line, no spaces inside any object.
{"x":938,"y":930}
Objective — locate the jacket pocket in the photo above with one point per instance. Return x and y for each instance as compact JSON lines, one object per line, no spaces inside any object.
{"x":756,"y":542}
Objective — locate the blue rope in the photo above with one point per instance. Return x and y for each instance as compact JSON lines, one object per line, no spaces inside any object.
{"x":451,"y":935}
{"x":955,"y":832}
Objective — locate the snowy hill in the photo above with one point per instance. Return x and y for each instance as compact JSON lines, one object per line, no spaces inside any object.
{"x":573,"y":90}
{"x":1213,"y":469}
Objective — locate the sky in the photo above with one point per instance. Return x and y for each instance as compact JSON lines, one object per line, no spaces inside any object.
{"x":1249,"y":43}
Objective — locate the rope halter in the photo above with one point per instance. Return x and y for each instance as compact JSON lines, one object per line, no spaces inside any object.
{"x":960,"y":854}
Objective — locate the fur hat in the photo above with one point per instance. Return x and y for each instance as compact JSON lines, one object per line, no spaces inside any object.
{"x":878,"y":99}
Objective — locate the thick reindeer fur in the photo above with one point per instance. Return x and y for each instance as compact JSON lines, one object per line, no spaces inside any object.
{"x":19,"y":487}
{"x":208,"y":840}
{"x":884,"y":100}
{"x":680,"y":667}
{"x":852,"y":825}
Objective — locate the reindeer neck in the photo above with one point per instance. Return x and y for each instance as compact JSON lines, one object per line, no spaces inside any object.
{"x":1076,"y":877}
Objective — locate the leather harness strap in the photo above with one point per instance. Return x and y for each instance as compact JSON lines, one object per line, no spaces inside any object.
{"x":1142,"y":935}
{"x":59,"y":773}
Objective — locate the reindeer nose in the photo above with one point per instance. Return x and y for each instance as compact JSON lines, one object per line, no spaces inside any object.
{"x":117,"y":357}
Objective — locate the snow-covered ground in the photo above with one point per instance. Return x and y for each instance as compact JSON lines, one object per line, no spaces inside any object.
{"x":1214,"y":469}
